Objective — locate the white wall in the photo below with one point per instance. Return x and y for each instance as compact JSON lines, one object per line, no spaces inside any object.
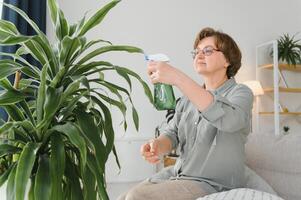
{"x":170,"y":27}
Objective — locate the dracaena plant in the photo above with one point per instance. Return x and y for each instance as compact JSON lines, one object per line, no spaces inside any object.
{"x":289,"y":49}
{"x":60,"y":130}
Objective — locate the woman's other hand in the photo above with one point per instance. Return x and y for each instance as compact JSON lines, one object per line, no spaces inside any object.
{"x":150,"y":151}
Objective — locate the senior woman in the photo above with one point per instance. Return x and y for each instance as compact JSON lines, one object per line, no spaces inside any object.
{"x":210,"y":125}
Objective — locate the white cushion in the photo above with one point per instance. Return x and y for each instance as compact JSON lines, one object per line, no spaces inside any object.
{"x":278,"y":161}
{"x":254,"y":181}
{"x":241,"y":194}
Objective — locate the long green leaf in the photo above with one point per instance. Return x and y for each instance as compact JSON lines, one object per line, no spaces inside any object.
{"x":10,"y":188}
{"x":47,"y":48}
{"x":53,"y":9}
{"x":6,"y":127}
{"x":42,"y":189}
{"x":119,"y":104}
{"x":75,"y":138}
{"x":4,"y":35}
{"x":29,"y":129}
{"x":2,"y":122}
{"x":24,"y":15}
{"x":81,"y":69}
{"x":57,"y":165}
{"x":25,"y":83}
{"x":37,"y":51}
{"x":31,"y":189}
{"x":24,"y":63}
{"x":58,"y":77}
{"x":116,"y":157}
{"x":13,"y":40}
{"x":27,"y":111}
{"x":101,"y":50}
{"x":85,"y":46}
{"x":5,"y":175}
{"x":71,"y":105}
{"x":62,"y":27}
{"x":8,"y":67}
{"x":8,"y":149}
{"x":20,"y":134}
{"x":108,"y":127}
{"x":74,"y":184}
{"x":92,"y":164}
{"x":31,"y":22}
{"x":125,"y":76}
{"x":112,"y":87}
{"x":51,"y":105}
{"x":30,"y":73}
{"x":58,"y":20}
{"x":89,"y":184}
{"x":74,"y":86}
{"x":75,"y":28}
{"x":35,"y":27}
{"x":97,"y":17}
{"x":147,"y":90}
{"x":77,"y":49}
{"x":92,"y":133}
{"x":68,"y":47}
{"x":11,"y":97}
{"x":14,"y":112}
{"x":8,"y":26}
{"x":135,"y":117}
{"x":24,"y":167}
{"x":41,"y":94}
{"x":5,"y":84}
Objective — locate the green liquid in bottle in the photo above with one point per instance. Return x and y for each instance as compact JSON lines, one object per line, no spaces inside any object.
{"x":164,"y":98}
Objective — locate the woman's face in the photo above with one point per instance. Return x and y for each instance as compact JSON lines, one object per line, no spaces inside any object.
{"x":208,"y":59}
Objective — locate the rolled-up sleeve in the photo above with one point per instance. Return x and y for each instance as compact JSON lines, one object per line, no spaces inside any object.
{"x":171,"y":128}
{"x":230,"y":113}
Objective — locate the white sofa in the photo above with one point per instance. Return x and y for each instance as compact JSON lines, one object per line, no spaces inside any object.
{"x":278,"y":161}
{"x":274,"y":166}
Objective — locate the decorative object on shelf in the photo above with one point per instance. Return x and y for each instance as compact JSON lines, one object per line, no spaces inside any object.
{"x":286,"y":130}
{"x":289,"y":49}
{"x":60,"y":129}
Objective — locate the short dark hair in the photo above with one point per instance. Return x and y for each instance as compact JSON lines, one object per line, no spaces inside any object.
{"x":226,"y":45}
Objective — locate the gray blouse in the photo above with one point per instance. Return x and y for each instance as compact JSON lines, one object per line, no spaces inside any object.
{"x":211,"y":142}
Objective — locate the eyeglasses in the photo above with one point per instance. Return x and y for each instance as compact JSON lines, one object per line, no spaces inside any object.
{"x":206,"y":51}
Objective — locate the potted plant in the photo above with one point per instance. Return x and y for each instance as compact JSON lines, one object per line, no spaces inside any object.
{"x":59,"y":133}
{"x":289,"y":49}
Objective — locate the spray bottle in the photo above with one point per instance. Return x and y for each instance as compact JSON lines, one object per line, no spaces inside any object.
{"x":164,"y":98}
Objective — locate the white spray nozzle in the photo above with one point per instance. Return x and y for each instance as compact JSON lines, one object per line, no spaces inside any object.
{"x":157,"y":57}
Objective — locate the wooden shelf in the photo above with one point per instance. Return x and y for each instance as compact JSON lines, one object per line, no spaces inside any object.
{"x":294,"y":68}
{"x":282,"y":89}
{"x":281,"y":113}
